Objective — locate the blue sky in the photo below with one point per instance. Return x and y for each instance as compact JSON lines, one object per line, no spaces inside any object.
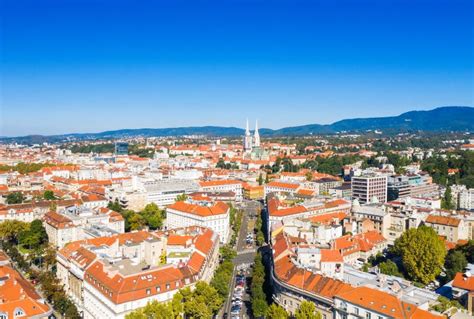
{"x":88,"y":66}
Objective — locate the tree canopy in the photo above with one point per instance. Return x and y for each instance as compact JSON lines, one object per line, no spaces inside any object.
{"x":307,"y":310}
{"x":15,"y":198}
{"x":275,"y":311}
{"x":422,"y":253}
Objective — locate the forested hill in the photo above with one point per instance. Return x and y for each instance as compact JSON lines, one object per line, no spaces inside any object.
{"x":448,"y":118}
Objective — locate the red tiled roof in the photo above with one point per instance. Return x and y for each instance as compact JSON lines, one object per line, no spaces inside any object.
{"x":219,"y":208}
{"x":463,"y":282}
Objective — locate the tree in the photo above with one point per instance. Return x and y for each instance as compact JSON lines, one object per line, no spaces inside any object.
{"x":154,"y":309}
{"x":11,"y":229}
{"x":153,"y":216}
{"x":422,"y":253}
{"x":307,"y":310}
{"x":260,"y":179}
{"x":447,"y":200}
{"x":389,"y":268}
{"x":227,"y":253}
{"x":267,"y":178}
{"x":455,"y":262}
{"x":135,"y":221}
{"x":15,"y":198}
{"x":115,"y":206}
{"x":309,"y":176}
{"x":181,"y":198}
{"x":49,"y":195}
{"x":276,"y":312}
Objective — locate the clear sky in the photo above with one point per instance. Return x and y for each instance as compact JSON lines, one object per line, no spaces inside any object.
{"x":94,"y":65}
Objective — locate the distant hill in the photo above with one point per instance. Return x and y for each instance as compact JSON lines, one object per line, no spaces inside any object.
{"x":447,"y":118}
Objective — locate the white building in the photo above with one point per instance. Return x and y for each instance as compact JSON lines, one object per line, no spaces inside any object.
{"x":466,"y":199}
{"x":215,"y":217}
{"x":367,"y":188}
{"x":223,"y":186}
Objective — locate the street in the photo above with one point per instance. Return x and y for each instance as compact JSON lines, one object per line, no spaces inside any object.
{"x":244,"y":259}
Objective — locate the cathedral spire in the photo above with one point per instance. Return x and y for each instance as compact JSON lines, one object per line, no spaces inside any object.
{"x":247,"y":131}
{"x":256,"y":138}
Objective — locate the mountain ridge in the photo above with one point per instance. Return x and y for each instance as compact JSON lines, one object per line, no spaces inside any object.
{"x":446,"y":118}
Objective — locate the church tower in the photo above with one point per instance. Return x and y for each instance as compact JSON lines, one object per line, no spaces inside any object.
{"x":256,"y":138}
{"x":247,"y":139}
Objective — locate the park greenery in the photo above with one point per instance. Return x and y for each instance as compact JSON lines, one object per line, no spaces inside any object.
{"x":27,"y":246}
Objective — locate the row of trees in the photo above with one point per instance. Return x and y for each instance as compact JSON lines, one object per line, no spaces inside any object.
{"x":42,"y":256}
{"x":236,"y":216}
{"x":201,"y":303}
{"x":306,"y":310}
{"x":258,"y":297}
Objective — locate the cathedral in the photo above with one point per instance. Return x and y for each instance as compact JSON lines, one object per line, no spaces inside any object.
{"x":252,"y":149}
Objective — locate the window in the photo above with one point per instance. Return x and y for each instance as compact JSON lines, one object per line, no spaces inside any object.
{"x":148,"y":291}
{"x":19,"y":312}
{"x":368,"y":315}
{"x":356,"y":310}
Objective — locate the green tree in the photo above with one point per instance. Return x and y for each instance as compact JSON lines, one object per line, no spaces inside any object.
{"x":153,"y":216}
{"x":422,"y":253}
{"x":136,"y":221}
{"x":307,"y":310}
{"x":260,"y":179}
{"x":389,"y":268}
{"x":267,"y":178}
{"x":227,"y":252}
{"x":455,"y":262}
{"x":15,"y":198}
{"x":181,"y":198}
{"x":11,"y":229}
{"x":447,"y":200}
{"x":154,"y":309}
{"x":49,"y":195}
{"x":115,"y":206}
{"x":276,"y":312}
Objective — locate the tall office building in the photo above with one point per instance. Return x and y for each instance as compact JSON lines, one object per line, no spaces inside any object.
{"x":369,"y":188}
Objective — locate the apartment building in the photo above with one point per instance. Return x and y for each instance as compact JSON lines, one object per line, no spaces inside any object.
{"x":466,"y":199}
{"x":108,"y":277}
{"x":369,"y":303}
{"x":215,"y":216}
{"x":217,"y":186}
{"x":76,"y":223}
{"x":369,"y":188}
{"x":19,"y":298}
{"x":452,"y":228}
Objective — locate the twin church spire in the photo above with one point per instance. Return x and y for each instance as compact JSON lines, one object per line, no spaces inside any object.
{"x":249,"y":141}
